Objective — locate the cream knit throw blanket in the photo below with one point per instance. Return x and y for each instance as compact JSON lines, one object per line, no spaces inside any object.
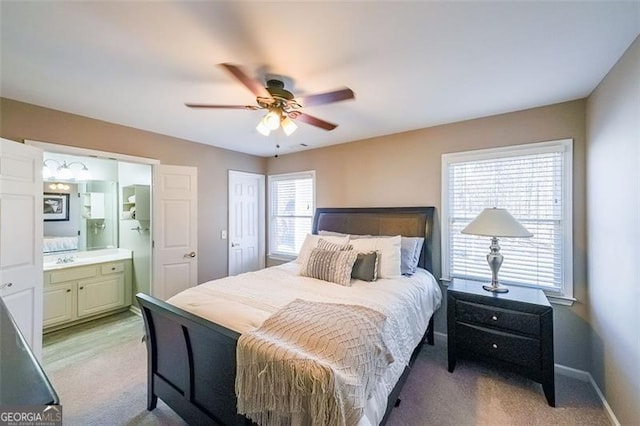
{"x":311,"y":363}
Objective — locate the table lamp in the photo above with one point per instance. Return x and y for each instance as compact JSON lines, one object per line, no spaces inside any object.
{"x":494,"y":223}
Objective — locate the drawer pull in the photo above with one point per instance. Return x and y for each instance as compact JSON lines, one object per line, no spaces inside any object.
{"x":81,"y":288}
{"x":113,"y":268}
{"x":494,"y":346}
{"x":495,"y":318}
{"x":68,"y":290}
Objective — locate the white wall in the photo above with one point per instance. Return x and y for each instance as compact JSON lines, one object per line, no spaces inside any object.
{"x":613,"y":206}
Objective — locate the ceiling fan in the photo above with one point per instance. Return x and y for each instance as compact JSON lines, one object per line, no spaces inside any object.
{"x":283,"y":107}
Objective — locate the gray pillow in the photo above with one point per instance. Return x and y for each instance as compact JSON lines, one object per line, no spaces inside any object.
{"x":366,"y":266}
{"x":410,"y":250}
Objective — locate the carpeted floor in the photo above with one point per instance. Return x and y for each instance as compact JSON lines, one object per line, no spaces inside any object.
{"x":476,"y":394}
{"x":99,"y":372}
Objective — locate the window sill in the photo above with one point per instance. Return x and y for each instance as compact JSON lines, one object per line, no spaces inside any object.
{"x":560,"y":300}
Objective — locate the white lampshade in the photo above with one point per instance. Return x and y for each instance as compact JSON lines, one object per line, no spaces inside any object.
{"x":272,"y":120}
{"x":288,"y":126}
{"x":495,"y":222}
{"x":262,"y":128}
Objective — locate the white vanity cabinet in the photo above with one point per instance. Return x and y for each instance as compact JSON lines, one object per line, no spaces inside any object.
{"x":77,"y":293}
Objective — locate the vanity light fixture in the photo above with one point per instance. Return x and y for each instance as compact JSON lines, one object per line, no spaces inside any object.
{"x":63,"y":171}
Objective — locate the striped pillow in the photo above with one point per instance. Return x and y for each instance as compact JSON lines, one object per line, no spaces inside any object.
{"x":332,"y":266}
{"x":326,"y":245}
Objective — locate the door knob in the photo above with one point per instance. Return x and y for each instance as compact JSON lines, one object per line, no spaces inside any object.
{"x":235,"y":244}
{"x":192,"y":254}
{"x":5,"y":285}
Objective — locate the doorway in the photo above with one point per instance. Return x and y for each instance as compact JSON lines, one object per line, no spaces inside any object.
{"x":107,"y":215}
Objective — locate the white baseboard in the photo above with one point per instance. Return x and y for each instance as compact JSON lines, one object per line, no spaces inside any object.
{"x":135,"y":310}
{"x":585,"y":376}
{"x":440,"y":338}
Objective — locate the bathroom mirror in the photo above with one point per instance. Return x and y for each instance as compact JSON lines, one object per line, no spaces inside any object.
{"x":92,"y":217}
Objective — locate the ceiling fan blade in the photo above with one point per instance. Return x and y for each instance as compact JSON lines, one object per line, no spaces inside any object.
{"x":326,"y":98}
{"x":309,"y":119}
{"x":256,"y":88}
{"x":251,"y":107}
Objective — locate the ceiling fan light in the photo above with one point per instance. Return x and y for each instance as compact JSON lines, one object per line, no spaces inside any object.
{"x":288,"y":126}
{"x":272,"y":120}
{"x":262,"y":128}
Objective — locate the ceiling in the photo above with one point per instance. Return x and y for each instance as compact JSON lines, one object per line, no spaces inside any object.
{"x":411,"y":64}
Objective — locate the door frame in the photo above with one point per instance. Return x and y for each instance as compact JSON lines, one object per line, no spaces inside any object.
{"x":87,"y":152}
{"x":262,"y":243}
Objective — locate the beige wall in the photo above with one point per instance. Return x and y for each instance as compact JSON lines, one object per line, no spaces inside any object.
{"x":613,"y":203}
{"x":404,"y":170}
{"x":19,"y":121}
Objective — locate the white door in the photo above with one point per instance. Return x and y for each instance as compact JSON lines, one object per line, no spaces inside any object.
{"x":246,"y":222}
{"x":21,"y":238}
{"x":175,"y":229}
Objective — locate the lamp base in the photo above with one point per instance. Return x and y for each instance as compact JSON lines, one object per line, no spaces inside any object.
{"x":496,"y":289}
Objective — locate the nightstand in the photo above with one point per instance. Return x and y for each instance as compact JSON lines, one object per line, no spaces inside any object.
{"x":511,"y":330}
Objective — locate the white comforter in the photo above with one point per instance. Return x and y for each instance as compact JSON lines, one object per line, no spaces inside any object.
{"x":243,"y":302}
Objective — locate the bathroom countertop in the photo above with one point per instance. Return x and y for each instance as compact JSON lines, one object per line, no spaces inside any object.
{"x":82,"y":258}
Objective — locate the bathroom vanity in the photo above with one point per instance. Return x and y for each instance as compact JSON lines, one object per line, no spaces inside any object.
{"x":85,"y":285}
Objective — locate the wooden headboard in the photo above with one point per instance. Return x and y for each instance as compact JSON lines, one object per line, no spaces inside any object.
{"x":406,"y":221}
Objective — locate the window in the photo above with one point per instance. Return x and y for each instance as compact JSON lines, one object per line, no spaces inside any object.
{"x":533,"y":182}
{"x":292,"y":204}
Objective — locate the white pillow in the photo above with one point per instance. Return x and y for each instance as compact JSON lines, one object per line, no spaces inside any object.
{"x":311,"y":242}
{"x":389,"y":248}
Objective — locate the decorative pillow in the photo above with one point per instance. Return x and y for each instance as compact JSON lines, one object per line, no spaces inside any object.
{"x":332,"y":266}
{"x":389,"y":258}
{"x":327,"y":245}
{"x":366,"y":266}
{"x":410,"y":249}
{"x":311,"y":242}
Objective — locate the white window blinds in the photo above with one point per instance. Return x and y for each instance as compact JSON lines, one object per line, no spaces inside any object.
{"x":292,"y":206}
{"x":533,"y":182}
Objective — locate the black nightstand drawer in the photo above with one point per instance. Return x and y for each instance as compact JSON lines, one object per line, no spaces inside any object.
{"x":492,"y":316}
{"x":517,"y":350}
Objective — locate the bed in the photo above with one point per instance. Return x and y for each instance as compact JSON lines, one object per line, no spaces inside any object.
{"x":192,"y":360}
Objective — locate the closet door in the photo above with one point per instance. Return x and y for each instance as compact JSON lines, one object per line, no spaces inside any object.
{"x":21,"y":238}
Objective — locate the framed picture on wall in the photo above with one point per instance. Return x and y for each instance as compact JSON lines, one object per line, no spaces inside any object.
{"x":55,"y":207}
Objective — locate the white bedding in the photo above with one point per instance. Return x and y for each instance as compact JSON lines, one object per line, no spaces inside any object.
{"x":243,"y":302}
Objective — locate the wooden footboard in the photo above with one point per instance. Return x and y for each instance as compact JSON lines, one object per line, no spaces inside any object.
{"x":192,"y":364}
